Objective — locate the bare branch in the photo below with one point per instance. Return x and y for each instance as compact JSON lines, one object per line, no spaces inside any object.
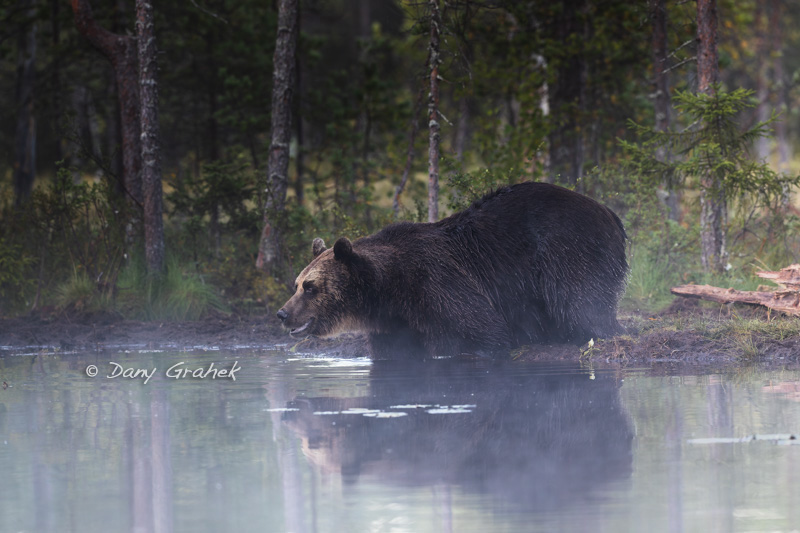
{"x":207,"y":12}
{"x":676,"y":65}
{"x":674,"y":53}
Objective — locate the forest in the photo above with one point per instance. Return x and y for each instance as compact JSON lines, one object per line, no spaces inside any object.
{"x":169,"y":160}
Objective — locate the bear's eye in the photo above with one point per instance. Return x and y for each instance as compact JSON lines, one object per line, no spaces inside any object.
{"x":309,"y":289}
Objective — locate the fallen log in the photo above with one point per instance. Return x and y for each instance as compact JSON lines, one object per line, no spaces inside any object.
{"x":785,"y":300}
{"x":788,"y":277}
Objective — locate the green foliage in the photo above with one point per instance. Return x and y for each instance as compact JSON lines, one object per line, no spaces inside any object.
{"x":661,"y":252}
{"x":222,"y":189}
{"x":274,"y":292}
{"x":180,"y":295}
{"x":714,"y":146}
{"x":657,"y":262}
{"x":15,"y":280}
{"x":357,"y":109}
{"x":66,"y":229}
{"x":185,"y":296}
{"x":79,"y":294}
{"x":513,"y":70}
{"x":358,"y":82}
{"x":214,"y":225}
{"x":466,"y":187}
{"x":665,"y":253}
{"x":84,"y":220}
{"x":216,"y":77}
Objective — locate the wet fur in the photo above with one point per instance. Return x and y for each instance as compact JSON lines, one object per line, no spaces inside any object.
{"x":530,"y":263}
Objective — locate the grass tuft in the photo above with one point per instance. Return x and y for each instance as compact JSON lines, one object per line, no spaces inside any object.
{"x":178,"y":295}
{"x":79,"y":293}
{"x":649,"y":282}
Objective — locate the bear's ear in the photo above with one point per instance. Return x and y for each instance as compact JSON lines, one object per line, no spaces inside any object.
{"x":318,"y":246}
{"x":343,"y":251}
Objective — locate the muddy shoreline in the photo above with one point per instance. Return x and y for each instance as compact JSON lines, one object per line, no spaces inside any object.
{"x":650,"y":338}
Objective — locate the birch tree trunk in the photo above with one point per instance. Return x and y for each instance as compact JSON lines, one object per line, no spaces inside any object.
{"x":151,"y":150}
{"x":433,"y":114}
{"x":283,"y":84}
{"x":713,"y":207}
{"x":25,"y":134}
{"x":121,"y":51}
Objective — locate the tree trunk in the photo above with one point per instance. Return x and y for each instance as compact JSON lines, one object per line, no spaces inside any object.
{"x":114,"y":141}
{"x":542,"y":157}
{"x":713,"y":206}
{"x":661,"y":64}
{"x":87,"y":147}
{"x":79,"y":132}
{"x":412,"y":135}
{"x":151,"y":150}
{"x":212,"y":148}
{"x":114,"y":138}
{"x":663,"y":101}
{"x":213,"y":151}
{"x":365,"y":116}
{"x":433,"y":114}
{"x":121,"y":51}
{"x":461,"y":136}
{"x":365,"y":165}
{"x":299,"y":191}
{"x":707,"y":54}
{"x":25,"y":135}
{"x":278,"y":163}
{"x":567,"y":96}
{"x":778,"y":78}
{"x":762,"y":78}
{"x":58,"y":102}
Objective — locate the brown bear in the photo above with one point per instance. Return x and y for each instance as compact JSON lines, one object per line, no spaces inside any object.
{"x":530,"y":263}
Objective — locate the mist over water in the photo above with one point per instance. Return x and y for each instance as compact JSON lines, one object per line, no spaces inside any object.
{"x":311,"y":443}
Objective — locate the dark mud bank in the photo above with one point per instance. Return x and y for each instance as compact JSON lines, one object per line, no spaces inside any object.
{"x":681,"y":334}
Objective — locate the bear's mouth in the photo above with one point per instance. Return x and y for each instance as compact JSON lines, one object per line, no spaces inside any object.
{"x":302,"y":328}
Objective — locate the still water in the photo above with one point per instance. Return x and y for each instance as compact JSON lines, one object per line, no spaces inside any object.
{"x":306,"y":443}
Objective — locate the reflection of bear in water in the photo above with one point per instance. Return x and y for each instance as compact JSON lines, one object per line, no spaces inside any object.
{"x":534,"y":441}
{"x":526,"y":264}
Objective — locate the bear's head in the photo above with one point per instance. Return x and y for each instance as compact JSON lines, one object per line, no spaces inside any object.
{"x":328,"y":293}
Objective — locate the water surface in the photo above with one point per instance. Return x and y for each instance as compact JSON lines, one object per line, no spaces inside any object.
{"x":308,"y":443}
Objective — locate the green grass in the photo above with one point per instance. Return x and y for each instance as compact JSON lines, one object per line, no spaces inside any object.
{"x":649,"y":282}
{"x":652,"y":276}
{"x":80,"y":293}
{"x":728,"y":330}
{"x":187,"y":296}
{"x":777,"y":328}
{"x":178,"y":295}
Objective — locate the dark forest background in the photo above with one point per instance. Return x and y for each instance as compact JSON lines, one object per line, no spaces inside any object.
{"x":603,"y":96}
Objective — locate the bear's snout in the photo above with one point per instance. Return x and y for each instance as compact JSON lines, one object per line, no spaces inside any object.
{"x":283,"y":315}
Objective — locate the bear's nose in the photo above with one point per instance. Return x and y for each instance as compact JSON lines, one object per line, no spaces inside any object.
{"x":283,"y":315}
